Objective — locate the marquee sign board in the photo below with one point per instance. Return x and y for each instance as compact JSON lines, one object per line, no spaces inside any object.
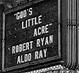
{"x":31,"y":34}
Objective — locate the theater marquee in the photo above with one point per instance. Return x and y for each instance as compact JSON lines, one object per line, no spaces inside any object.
{"x":31,"y":34}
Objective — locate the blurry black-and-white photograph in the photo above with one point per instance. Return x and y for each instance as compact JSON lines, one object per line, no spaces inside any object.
{"x":39,"y":36}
